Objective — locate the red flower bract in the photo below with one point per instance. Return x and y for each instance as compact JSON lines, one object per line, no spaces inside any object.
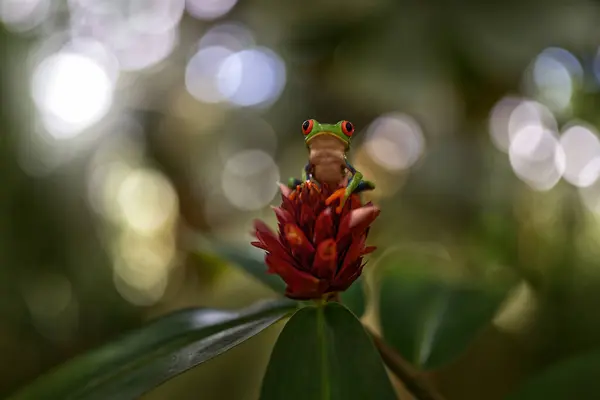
{"x":317,"y":251}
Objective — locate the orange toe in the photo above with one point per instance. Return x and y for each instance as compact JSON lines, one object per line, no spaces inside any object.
{"x":293,"y":195}
{"x":338,"y":194}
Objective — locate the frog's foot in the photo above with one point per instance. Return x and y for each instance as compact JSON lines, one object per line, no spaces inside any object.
{"x":293,"y":183}
{"x":364,"y":186}
{"x":338,"y":194}
{"x":293,"y":195}
{"x":312,"y":185}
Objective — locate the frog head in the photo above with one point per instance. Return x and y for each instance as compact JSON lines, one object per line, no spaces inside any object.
{"x":343,"y":131}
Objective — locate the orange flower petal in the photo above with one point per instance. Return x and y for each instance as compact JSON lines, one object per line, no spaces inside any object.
{"x":315,"y":250}
{"x":285,"y":191}
{"x":300,"y":284}
{"x":267,"y":238}
{"x":368,"y":250}
{"x":325,"y":264}
{"x":324,"y":227}
{"x":352,"y":255}
{"x":299,"y":244}
{"x":357,"y":221}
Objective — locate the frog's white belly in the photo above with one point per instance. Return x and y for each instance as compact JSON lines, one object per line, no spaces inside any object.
{"x":329,"y":173}
{"x":327,"y":158}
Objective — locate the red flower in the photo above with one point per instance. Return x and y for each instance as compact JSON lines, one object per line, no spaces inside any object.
{"x":317,"y":251}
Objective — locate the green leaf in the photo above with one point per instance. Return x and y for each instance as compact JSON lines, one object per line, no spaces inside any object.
{"x":431,"y":321}
{"x":324,"y":353}
{"x":354,"y":297}
{"x":249,"y":259}
{"x":575,"y":378}
{"x":146,"y":358}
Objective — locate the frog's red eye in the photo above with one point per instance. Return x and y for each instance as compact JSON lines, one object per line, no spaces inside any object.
{"x":347,"y":128}
{"x":307,"y":126}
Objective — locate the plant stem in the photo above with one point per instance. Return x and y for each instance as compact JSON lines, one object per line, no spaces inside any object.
{"x":421,"y":389}
{"x":325,"y":391}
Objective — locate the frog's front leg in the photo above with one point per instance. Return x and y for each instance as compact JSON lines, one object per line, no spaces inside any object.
{"x":363,"y":186}
{"x":293,"y":183}
{"x":355,"y":185}
{"x":307,"y":177}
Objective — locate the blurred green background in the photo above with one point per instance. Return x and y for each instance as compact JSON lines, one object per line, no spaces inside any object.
{"x":129,"y":127}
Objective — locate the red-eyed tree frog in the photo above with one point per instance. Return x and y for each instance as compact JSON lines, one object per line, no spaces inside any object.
{"x":327,"y":161}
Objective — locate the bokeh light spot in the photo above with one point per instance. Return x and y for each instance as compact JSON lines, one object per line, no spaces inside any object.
{"x":527,"y":113}
{"x":567,"y":59}
{"x":72,"y":92}
{"x":395,"y":141}
{"x":537,"y":157}
{"x":155,"y":16}
{"x":144,"y":50}
{"x":146,"y":260}
{"x":130,"y":290}
{"x":511,"y":114}
{"x":582,"y":150}
{"x":147,"y":200}
{"x":254,"y":77}
{"x":499,"y":121}
{"x":553,"y":80}
{"x":247,"y":131}
{"x":104,"y":183}
{"x":233,"y":36}
{"x":96,"y":51}
{"x":140,"y":34}
{"x":202,"y":71}
{"x":23,"y":15}
{"x":209,"y":9}
{"x":249,"y":179}
{"x":596,"y":65}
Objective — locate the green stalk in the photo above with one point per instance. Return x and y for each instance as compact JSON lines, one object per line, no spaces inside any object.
{"x":325,"y":388}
